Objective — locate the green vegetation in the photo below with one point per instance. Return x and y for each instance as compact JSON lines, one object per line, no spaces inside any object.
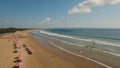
{"x":11,"y":30}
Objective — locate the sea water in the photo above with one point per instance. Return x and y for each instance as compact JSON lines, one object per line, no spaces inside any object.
{"x":106,"y":40}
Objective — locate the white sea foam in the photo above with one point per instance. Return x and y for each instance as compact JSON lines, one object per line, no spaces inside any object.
{"x":54,"y":34}
{"x":92,"y":48}
{"x":64,"y":36}
{"x":79,"y":55}
{"x":89,"y":40}
{"x":107,"y":52}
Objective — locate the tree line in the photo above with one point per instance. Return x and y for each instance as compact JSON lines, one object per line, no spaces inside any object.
{"x":11,"y":30}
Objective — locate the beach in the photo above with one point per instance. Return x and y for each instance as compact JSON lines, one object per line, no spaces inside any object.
{"x":44,"y":55}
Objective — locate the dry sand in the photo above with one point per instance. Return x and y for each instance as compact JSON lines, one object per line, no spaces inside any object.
{"x":43,"y":56}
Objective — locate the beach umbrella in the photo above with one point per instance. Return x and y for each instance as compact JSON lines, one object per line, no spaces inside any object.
{"x":20,"y":55}
{"x":18,"y":64}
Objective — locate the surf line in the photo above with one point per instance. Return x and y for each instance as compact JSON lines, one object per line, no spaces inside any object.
{"x":92,"y":48}
{"x":80,"y":55}
{"x":69,"y":37}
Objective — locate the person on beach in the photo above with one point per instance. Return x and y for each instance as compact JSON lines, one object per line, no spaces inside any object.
{"x":93,"y":43}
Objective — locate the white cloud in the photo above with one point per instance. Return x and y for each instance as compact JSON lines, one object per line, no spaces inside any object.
{"x":85,"y":6}
{"x":46,"y":20}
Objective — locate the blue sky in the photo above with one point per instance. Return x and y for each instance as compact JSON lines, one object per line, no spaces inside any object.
{"x":60,"y":13}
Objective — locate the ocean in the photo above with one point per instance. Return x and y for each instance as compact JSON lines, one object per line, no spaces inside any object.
{"x":87,"y":42}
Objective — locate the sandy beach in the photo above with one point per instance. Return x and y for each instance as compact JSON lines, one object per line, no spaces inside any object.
{"x":44,"y":56}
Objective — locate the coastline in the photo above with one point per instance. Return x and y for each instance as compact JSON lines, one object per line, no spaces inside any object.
{"x":104,"y":58}
{"x":44,"y":56}
{"x":77,"y":60}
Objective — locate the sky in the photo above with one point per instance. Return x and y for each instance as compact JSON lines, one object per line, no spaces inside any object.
{"x":60,"y":13}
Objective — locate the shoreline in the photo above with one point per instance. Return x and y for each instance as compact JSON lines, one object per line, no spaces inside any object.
{"x":45,"y":55}
{"x":81,"y":56}
{"x":61,"y":52}
{"x":98,"y":57}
